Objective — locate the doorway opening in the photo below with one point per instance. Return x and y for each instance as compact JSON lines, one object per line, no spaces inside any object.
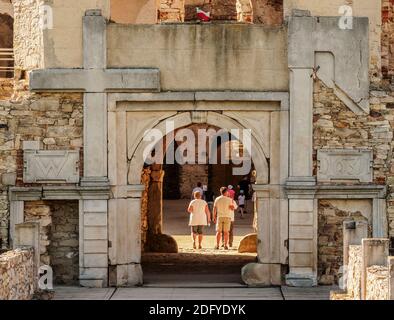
{"x":168,"y":256}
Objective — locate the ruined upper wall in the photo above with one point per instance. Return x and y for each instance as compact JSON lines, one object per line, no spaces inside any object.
{"x":361,"y":8}
{"x":6,"y":7}
{"x":204,"y":57}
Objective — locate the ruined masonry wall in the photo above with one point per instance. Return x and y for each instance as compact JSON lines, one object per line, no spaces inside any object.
{"x":17,"y":275}
{"x":330,"y":238}
{"x":55,"y":119}
{"x":28,"y":36}
{"x":335,"y":126}
{"x":59,"y":237}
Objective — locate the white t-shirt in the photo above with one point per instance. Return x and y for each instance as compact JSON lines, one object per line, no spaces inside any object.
{"x":222,"y":205}
{"x":241,"y":200}
{"x":198,"y":217}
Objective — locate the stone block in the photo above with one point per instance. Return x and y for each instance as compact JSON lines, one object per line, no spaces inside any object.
{"x":248,"y":243}
{"x":300,"y":205}
{"x":353,"y":233}
{"x":95,"y":219}
{"x":95,"y":260}
{"x":135,"y":275}
{"x":32,"y":145}
{"x":95,"y":233}
{"x":51,"y":166}
{"x":95,"y":246}
{"x":256,"y":274}
{"x":342,"y":164}
{"x":8,"y":179}
{"x":162,"y":243}
{"x":375,"y":252}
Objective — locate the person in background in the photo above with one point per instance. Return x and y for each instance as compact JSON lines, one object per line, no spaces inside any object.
{"x":241,"y":203}
{"x":200,"y":216}
{"x":231,"y":192}
{"x":223,"y":210}
{"x":254,"y":200}
{"x":199,"y":189}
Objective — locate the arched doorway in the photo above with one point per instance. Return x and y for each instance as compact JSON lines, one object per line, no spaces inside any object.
{"x":130,"y":130}
{"x":168,"y":254}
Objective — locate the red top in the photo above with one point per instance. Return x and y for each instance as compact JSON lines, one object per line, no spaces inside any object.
{"x":231,"y":193}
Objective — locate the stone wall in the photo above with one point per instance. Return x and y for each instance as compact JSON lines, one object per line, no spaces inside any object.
{"x":64,"y":242}
{"x":388,"y":40}
{"x":59,"y":237}
{"x":40,"y":211}
{"x":17,"y":275}
{"x":268,"y":12}
{"x":331,"y":215}
{"x":360,"y":8}
{"x":377,"y":283}
{"x":171,"y":11}
{"x":335,"y":126}
{"x":28,"y":36}
{"x":217,"y":55}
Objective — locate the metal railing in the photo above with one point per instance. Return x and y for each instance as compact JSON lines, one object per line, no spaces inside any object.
{"x":6,"y":62}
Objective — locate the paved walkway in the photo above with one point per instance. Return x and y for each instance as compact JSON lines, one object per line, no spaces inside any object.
{"x":147,"y":293}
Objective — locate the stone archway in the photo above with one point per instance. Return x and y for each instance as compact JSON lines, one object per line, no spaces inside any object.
{"x":126,"y":148}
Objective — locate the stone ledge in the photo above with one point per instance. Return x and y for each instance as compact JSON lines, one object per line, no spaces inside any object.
{"x":337,"y":191}
{"x":58,"y":193}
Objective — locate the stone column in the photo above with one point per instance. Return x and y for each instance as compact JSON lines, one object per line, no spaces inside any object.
{"x":93,"y":257}
{"x":155,"y":201}
{"x":95,"y":104}
{"x":353,"y":233}
{"x":302,"y":241}
{"x":93,"y":243}
{"x":375,"y":251}
{"x":302,"y":205}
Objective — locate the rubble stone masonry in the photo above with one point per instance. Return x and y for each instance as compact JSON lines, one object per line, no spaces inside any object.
{"x":17,"y":275}
{"x":335,"y":126}
{"x":377,"y":283}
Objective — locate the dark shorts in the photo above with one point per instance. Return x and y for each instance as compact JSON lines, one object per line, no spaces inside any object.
{"x":197,"y":229}
{"x":242,"y":206}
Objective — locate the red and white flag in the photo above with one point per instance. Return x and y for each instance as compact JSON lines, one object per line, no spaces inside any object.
{"x":202,"y":15}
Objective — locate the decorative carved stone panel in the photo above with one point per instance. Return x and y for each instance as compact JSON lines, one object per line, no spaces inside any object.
{"x":344,"y":164}
{"x":51,"y":166}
